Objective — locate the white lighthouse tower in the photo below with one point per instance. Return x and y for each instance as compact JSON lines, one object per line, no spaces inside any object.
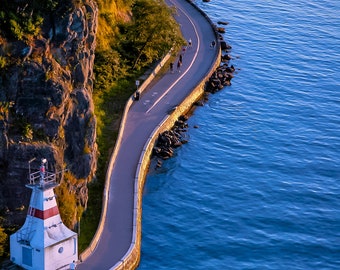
{"x":43,"y":242}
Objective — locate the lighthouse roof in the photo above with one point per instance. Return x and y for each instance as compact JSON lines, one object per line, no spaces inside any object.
{"x":52,"y":235}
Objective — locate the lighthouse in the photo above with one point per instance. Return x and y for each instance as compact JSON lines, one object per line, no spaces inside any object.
{"x":43,"y":242}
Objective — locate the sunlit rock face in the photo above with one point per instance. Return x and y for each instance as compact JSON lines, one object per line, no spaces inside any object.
{"x":46,"y":107}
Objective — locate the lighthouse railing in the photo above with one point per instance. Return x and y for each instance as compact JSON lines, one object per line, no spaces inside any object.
{"x":37,"y":178}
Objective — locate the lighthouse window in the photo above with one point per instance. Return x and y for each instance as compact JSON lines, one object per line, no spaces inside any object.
{"x":60,"y":250}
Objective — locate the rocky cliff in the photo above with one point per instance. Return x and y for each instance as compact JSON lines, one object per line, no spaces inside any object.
{"x":46,"y":107}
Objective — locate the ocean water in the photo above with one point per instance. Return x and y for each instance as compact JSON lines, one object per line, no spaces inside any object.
{"x":258,"y":184}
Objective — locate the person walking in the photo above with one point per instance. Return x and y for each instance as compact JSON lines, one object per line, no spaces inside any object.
{"x":189,"y":43}
{"x":172,"y":67}
{"x":213,"y":44}
{"x":73,"y":265}
{"x":179,"y":63}
{"x":181,"y":58}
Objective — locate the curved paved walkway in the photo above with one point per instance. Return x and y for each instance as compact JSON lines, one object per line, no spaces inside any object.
{"x":143,"y":116}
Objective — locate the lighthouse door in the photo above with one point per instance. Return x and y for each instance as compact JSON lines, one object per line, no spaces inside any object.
{"x":27,"y":256}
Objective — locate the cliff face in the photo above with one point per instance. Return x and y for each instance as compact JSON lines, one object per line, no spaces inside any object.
{"x":46,"y":107}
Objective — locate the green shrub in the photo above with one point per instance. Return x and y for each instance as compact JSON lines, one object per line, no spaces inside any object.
{"x":28,"y":132}
{"x":3,"y":241}
{"x":16,"y":29}
{"x":32,"y":26}
{"x":3,"y":62}
{"x":69,"y":207}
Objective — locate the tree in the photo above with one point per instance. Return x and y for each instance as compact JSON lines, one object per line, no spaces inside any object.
{"x":152,"y":34}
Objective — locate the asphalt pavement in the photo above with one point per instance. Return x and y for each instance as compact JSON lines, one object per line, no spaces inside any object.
{"x":144,"y":115}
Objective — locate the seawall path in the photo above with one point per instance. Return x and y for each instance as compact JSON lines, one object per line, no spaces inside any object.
{"x":116,"y":244}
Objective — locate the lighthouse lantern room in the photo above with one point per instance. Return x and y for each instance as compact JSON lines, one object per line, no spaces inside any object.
{"x":43,"y":242}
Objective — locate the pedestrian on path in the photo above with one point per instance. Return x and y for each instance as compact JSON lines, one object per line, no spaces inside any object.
{"x":213,"y":44}
{"x":172,"y":67}
{"x":179,"y":63}
{"x":73,"y":265}
{"x":181,"y":58}
{"x":189,"y":43}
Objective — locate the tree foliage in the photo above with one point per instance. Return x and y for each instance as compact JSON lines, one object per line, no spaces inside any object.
{"x":22,"y":20}
{"x":127,"y":45}
{"x":69,"y":208}
{"x":152,"y":33}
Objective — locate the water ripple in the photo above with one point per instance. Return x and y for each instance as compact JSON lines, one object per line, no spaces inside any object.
{"x":257,"y":186}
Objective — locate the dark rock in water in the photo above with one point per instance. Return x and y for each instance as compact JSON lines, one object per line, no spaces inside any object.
{"x":223,"y":23}
{"x":199,"y":103}
{"x":225,"y":46}
{"x":159,"y":163}
{"x":225,"y":58}
{"x":220,"y":78}
{"x":183,"y":118}
{"x":221,"y":29}
{"x":170,"y":139}
{"x":178,"y":144}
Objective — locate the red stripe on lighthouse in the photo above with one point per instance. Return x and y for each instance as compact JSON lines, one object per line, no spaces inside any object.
{"x":43,"y":214}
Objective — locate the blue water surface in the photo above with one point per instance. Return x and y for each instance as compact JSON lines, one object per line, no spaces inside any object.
{"x":258,"y":184}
